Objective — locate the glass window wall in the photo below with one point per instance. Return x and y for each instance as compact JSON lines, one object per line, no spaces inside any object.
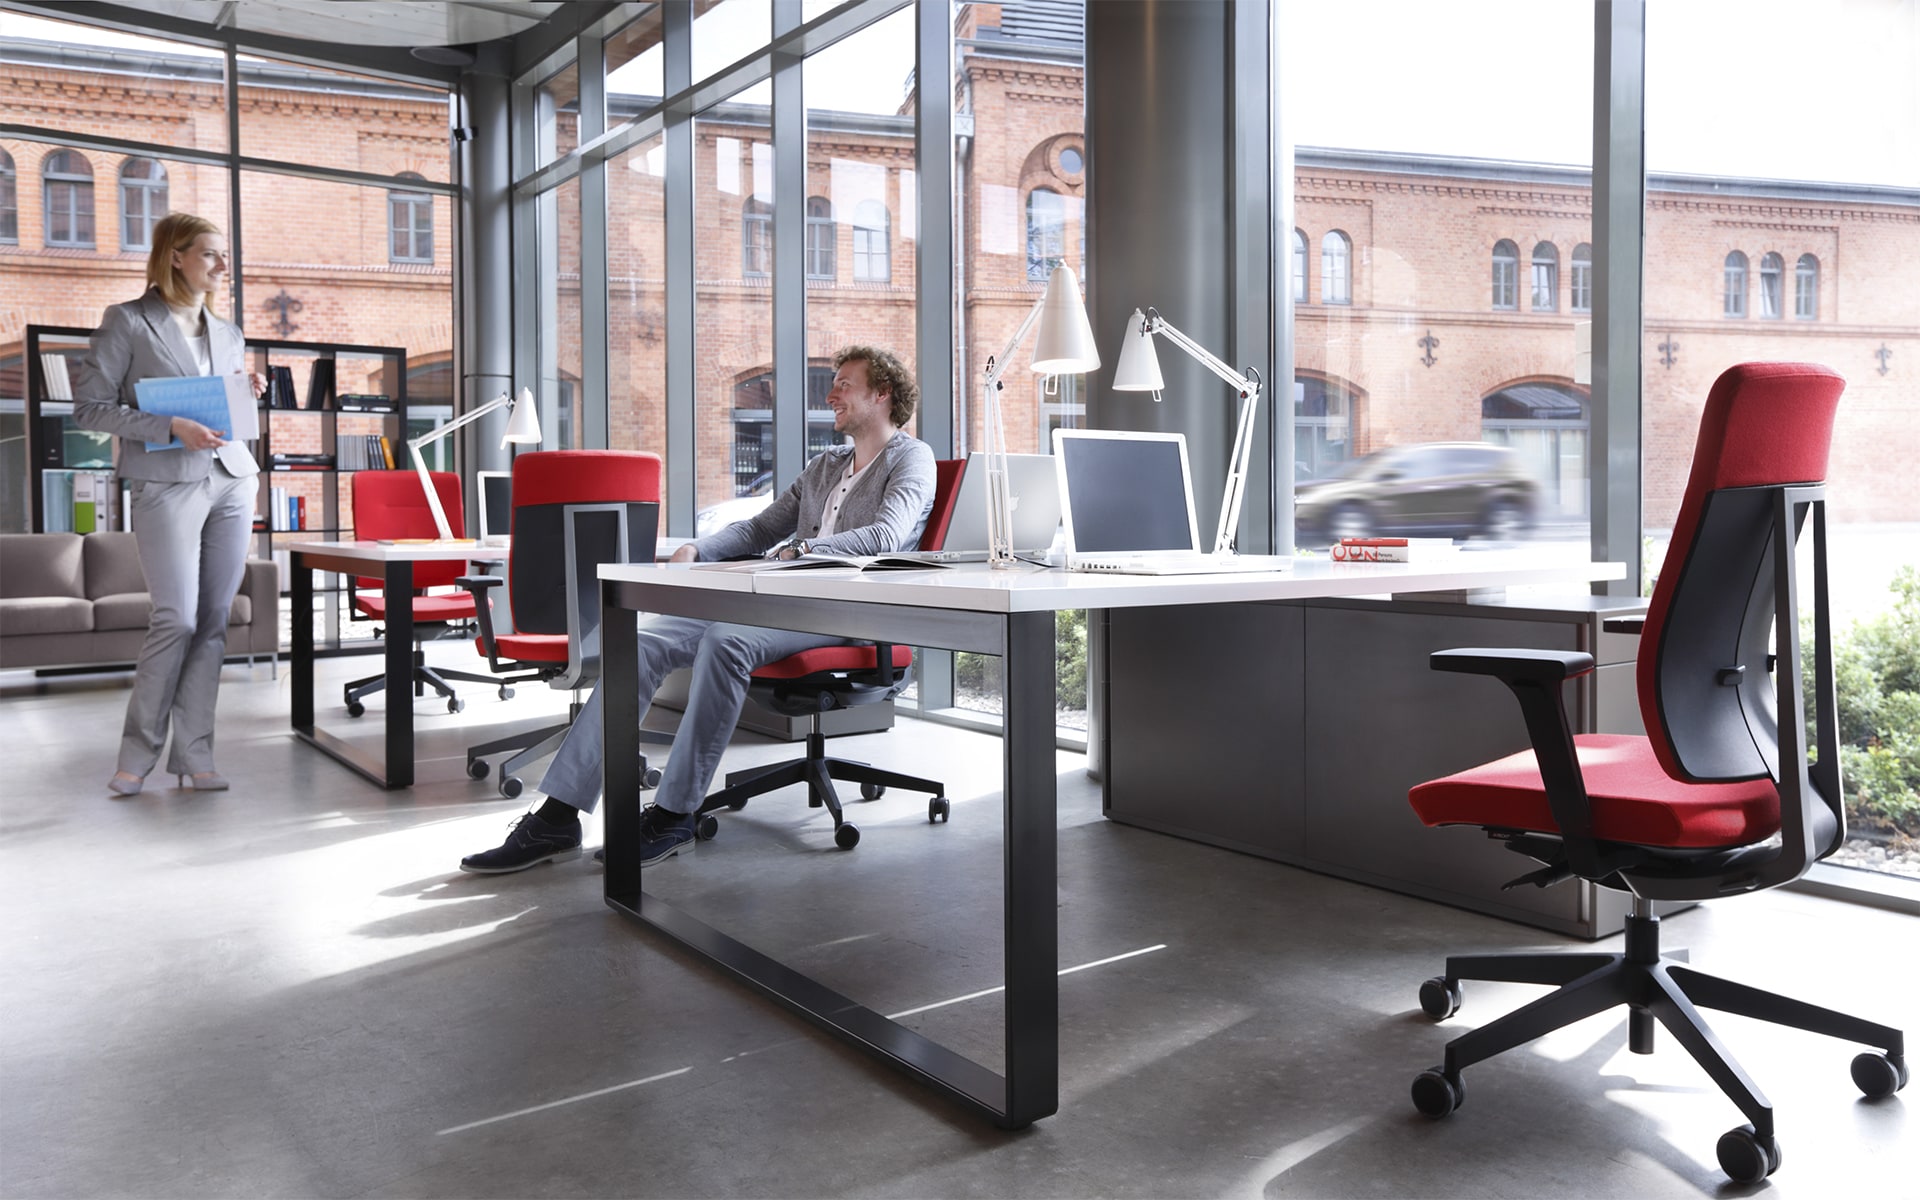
{"x":1781,"y":178}
{"x":1423,"y":403}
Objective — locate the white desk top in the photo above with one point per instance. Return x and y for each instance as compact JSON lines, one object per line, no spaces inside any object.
{"x":409,"y":552}
{"x":975,"y":587}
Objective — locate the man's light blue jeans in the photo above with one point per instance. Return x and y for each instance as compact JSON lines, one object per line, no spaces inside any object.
{"x":722,"y":657}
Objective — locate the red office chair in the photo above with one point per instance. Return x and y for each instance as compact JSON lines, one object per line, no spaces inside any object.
{"x":547,"y":486}
{"x":817,"y":681}
{"x":1718,"y":799}
{"x":391,"y":504}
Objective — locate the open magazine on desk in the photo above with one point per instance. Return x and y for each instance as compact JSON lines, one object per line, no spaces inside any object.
{"x":850,"y":562}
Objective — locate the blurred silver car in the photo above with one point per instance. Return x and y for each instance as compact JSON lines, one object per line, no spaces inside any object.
{"x":1433,"y":489}
{"x":715,"y":517}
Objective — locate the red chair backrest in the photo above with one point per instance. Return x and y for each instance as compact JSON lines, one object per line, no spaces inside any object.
{"x":1766,"y":425}
{"x":391,"y":504}
{"x":946,"y":489}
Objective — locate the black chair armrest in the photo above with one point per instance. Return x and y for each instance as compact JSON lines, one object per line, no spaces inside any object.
{"x":1536,"y":678}
{"x":478,"y":586}
{"x":1514,"y":666}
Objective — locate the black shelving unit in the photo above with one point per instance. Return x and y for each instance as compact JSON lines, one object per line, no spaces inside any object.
{"x":354,"y":369}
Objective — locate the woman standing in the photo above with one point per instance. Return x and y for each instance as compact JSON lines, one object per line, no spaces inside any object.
{"x":192,"y":504}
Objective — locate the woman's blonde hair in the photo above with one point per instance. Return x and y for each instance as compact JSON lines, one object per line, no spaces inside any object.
{"x":176,"y":231}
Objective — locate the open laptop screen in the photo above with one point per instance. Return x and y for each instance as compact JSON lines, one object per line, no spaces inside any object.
{"x":496,"y":503}
{"x":1124,"y":491}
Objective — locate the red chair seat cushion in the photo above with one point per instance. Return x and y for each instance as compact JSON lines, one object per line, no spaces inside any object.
{"x":425,"y":608}
{"x":830,"y":658}
{"x":1633,"y":799}
{"x":528,"y":647}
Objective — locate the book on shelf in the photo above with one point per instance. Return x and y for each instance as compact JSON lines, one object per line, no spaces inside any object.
{"x":320,"y":384}
{"x":54,"y":367}
{"x":78,"y":501}
{"x":1391,"y":549}
{"x":302,"y":462}
{"x":386,"y":451}
{"x":356,"y":402}
{"x":279,"y":387}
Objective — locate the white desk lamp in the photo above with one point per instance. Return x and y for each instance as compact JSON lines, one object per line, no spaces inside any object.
{"x":1062,"y":345}
{"x":1139,"y":371}
{"x":523,"y":426}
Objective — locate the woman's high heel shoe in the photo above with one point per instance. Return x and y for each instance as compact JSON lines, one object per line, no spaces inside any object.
{"x":124,"y":784}
{"x":204,"y":781}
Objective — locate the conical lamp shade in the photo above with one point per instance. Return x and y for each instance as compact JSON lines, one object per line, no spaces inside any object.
{"x":1063,"y":341}
{"x":524,"y":425}
{"x":1139,"y":369}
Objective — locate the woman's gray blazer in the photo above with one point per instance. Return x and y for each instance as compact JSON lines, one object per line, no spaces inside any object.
{"x":139,"y":340}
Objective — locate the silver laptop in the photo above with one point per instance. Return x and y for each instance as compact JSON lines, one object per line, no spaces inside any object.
{"x":1126,"y":500}
{"x":1035,"y":494}
{"x":496,"y":506}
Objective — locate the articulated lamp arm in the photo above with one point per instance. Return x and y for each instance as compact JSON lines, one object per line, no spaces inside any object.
{"x":524,"y":427}
{"x":1248,"y":386}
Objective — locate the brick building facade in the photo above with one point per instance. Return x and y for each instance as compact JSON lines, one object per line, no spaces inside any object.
{"x":1414,"y":343}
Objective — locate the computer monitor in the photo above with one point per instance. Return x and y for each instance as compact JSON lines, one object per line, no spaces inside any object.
{"x":1122,"y":491}
{"x":496,"y":505}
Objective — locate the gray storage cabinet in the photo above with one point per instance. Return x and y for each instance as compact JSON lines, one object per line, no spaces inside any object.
{"x":1294,"y":731}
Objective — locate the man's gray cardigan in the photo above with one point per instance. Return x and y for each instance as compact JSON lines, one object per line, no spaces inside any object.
{"x":886,"y":510}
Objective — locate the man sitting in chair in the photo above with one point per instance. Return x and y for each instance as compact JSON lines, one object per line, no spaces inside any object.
{"x":868,"y":496}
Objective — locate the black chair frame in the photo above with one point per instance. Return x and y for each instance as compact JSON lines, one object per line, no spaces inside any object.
{"x":813,"y":696}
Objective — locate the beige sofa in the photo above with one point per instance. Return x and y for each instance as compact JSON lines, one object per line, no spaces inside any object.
{"x":75,"y":600}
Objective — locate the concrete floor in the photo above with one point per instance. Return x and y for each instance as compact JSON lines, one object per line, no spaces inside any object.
{"x":289,"y":990}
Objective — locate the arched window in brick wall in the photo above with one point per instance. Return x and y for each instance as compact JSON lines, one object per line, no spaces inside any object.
{"x":872,"y":252}
{"x":1580,"y":295}
{"x":1046,"y":232}
{"x":1806,"y":289}
{"x":1506,"y":274}
{"x":1773,"y":284}
{"x":410,"y":224}
{"x":1336,"y":268}
{"x":143,"y":201}
{"x":67,"y":178}
{"x":1546,"y":277}
{"x":9,"y":201}
{"x":820,"y":239}
{"x":1299,"y":267}
{"x":1734,"y":286}
{"x":1547,"y":423}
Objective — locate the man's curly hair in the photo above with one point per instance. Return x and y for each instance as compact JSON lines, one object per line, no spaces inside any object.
{"x":885,"y":373}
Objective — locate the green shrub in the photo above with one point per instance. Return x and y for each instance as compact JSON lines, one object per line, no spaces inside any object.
{"x":1877,"y":678}
{"x":981,"y":672}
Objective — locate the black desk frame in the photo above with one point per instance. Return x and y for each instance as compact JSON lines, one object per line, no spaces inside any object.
{"x":394,"y":769}
{"x":1023,"y":642}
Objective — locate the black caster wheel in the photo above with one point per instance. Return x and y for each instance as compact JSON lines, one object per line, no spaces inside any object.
{"x":707,"y":827}
{"x":1437,"y":1094}
{"x":1878,"y":1075}
{"x":846,"y":837}
{"x":939,"y":809}
{"x":1439,"y":999}
{"x":356,"y":709}
{"x":506,"y":693}
{"x":510,"y":787}
{"x":650,"y":778}
{"x":1745,"y":1156}
{"x":456,"y":704}
{"x":477,"y":768}
{"x":872,"y":791}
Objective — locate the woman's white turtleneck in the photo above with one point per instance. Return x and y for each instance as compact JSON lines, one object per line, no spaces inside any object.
{"x":192,"y":322}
